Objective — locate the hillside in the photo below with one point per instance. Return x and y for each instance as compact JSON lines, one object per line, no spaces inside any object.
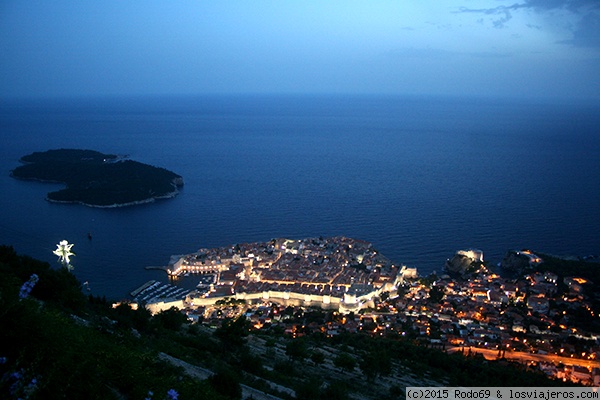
{"x":57,"y":343}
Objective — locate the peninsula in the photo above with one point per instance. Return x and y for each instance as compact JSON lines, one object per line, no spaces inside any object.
{"x":98,"y":180}
{"x":338,"y":273}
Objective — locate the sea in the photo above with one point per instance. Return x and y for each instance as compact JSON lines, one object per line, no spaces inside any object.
{"x":419,"y":177}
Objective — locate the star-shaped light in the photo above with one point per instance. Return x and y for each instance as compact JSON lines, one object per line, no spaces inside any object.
{"x":63,"y":251}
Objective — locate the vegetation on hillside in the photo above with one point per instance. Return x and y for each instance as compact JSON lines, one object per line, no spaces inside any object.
{"x":57,"y":343}
{"x":577,"y":268}
{"x":97,"y":179}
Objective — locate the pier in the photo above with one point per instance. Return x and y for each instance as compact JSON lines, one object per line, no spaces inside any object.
{"x":183,"y":265}
{"x":154,"y":268}
{"x":183,"y":270}
{"x":187,"y":269}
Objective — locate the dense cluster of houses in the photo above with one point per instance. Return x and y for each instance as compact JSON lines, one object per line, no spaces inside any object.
{"x":316,"y":261}
{"x":530,"y":315}
{"x":338,"y":272}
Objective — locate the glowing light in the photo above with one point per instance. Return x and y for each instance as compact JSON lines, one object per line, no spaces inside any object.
{"x":63,"y":251}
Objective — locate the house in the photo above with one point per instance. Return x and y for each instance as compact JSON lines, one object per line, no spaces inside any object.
{"x":596,"y":376}
{"x":497,"y":298}
{"x":575,"y":284}
{"x":580,"y":374}
{"x":228,"y":277}
{"x":455,"y":340}
{"x":538,"y":304}
{"x":510,"y":289}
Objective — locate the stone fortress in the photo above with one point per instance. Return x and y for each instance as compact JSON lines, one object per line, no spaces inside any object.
{"x":338,"y":273}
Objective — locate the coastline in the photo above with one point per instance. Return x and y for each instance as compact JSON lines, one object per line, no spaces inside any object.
{"x":35,"y":179}
{"x":118,"y":205}
{"x":176,"y":182}
{"x":170,"y":195}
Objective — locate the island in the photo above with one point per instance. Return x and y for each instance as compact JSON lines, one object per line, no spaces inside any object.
{"x":98,"y":180}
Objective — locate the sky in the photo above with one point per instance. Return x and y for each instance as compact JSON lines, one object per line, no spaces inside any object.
{"x":491,"y":48}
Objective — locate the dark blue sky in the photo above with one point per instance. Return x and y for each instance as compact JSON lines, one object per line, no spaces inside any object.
{"x":530,"y":48}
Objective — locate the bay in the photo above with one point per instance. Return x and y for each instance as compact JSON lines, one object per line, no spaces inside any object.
{"x":418,"y":177}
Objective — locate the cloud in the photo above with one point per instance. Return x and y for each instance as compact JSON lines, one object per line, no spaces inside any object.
{"x":576,"y":6}
{"x":504,"y":12}
{"x":501,"y":14}
{"x":585,"y":30}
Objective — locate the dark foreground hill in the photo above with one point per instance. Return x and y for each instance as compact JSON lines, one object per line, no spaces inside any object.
{"x":96,"y":179}
{"x":55,"y":342}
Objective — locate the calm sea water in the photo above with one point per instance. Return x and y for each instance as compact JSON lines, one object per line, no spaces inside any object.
{"x":418,"y":177}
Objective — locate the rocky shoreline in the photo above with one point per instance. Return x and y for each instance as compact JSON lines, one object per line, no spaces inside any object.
{"x":118,"y":205}
{"x":95,"y":180}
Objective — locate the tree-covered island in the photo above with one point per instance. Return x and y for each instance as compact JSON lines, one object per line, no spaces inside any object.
{"x":98,"y":180}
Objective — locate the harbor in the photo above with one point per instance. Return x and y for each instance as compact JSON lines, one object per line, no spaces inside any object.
{"x":154,"y":291}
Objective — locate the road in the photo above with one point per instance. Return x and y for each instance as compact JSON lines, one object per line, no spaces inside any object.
{"x":524,"y":357}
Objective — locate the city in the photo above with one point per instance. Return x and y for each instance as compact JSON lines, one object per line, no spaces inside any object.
{"x":536,"y":318}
